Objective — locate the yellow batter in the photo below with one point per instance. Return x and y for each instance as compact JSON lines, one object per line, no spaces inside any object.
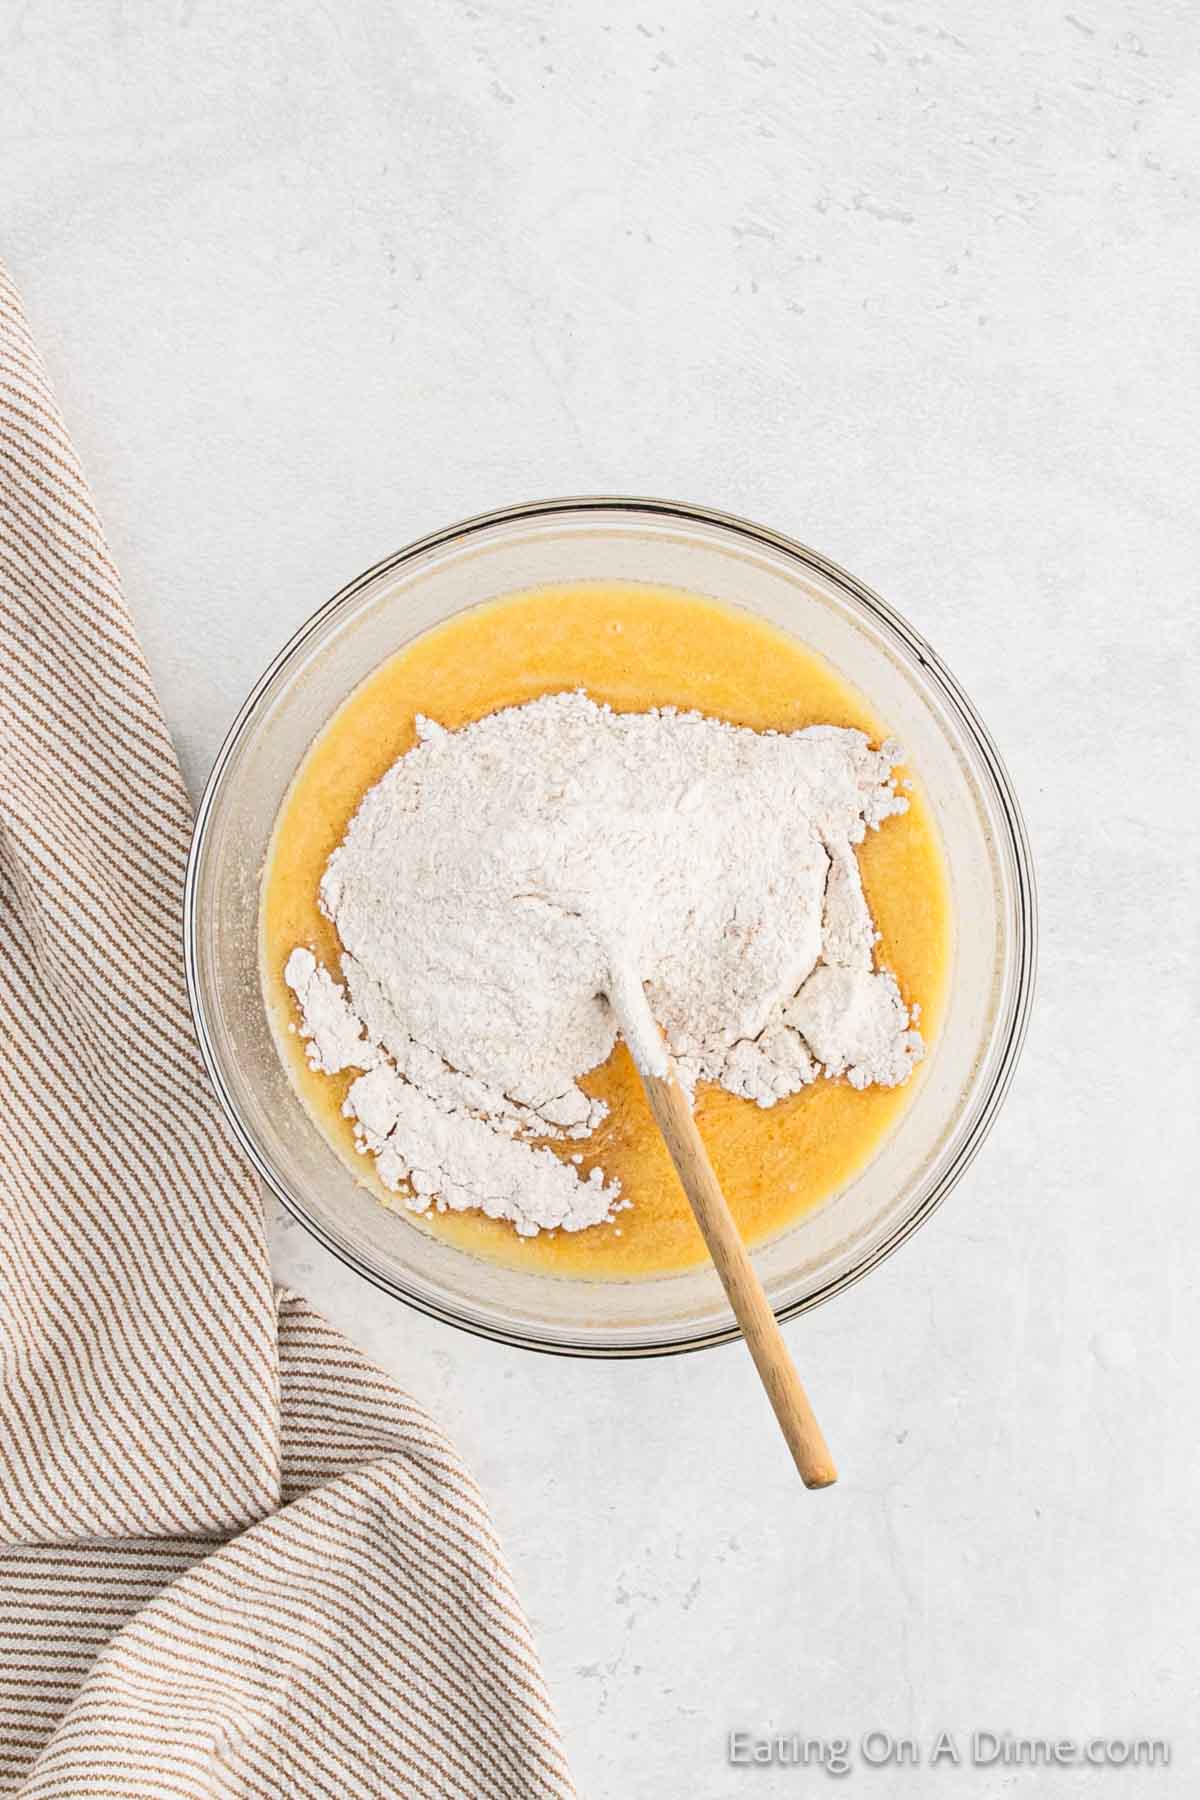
{"x":635,"y":647}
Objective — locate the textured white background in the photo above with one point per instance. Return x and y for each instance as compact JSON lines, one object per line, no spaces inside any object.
{"x":916,"y":282}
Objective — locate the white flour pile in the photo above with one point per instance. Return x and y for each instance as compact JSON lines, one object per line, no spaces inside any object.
{"x":500,"y":880}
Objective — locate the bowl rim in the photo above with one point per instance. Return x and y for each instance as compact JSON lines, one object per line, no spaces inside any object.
{"x":950,"y":692}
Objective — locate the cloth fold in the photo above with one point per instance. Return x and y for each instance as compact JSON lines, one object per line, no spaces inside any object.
{"x":234,"y":1558}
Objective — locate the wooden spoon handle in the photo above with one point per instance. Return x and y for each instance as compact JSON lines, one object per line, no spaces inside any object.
{"x":760,"y":1328}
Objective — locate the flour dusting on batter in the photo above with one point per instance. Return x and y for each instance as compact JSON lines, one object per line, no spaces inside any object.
{"x":500,"y":880}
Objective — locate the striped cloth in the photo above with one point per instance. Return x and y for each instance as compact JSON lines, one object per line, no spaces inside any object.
{"x":234,"y":1559}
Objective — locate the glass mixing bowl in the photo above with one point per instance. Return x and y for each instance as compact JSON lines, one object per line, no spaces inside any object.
{"x":961,"y":1085}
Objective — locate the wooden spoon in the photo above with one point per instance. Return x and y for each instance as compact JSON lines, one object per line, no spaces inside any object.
{"x":760,"y":1328}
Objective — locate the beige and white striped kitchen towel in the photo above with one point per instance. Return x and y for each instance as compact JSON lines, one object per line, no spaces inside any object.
{"x":234,"y":1559}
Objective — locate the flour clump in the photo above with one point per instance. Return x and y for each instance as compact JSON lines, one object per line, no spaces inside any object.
{"x":500,"y":881}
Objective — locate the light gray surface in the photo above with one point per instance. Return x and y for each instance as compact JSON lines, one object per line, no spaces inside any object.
{"x":916,"y":284}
